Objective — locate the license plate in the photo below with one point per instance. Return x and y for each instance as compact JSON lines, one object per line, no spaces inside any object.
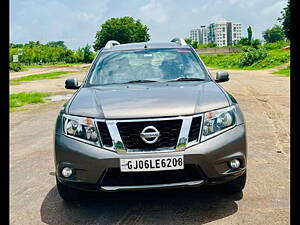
{"x":152,"y":164}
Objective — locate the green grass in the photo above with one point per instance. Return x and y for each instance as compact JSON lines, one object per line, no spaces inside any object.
{"x":16,"y":67}
{"x":275,"y":57}
{"x":50,"y":65}
{"x":40,"y":76}
{"x":23,"y":98}
{"x":285,"y":71}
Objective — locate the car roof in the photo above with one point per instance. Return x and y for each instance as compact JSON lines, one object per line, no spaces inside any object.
{"x":141,"y":45}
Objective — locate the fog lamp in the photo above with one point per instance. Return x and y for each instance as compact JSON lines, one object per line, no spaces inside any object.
{"x":234,"y":164}
{"x":66,"y":172}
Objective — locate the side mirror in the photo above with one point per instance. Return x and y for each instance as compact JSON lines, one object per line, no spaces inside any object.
{"x":222,"y":76}
{"x":71,"y":83}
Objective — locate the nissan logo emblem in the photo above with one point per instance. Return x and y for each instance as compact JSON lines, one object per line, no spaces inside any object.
{"x":150,"y":134}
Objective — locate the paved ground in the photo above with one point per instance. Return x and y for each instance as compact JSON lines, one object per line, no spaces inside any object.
{"x":265,"y":101}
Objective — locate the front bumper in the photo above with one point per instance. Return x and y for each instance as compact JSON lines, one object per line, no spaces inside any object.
{"x":90,"y":163}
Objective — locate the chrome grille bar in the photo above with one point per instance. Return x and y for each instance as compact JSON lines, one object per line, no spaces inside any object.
{"x":184,"y":133}
{"x":182,"y":142}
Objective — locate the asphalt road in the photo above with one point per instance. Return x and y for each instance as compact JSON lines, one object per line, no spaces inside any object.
{"x":265,"y":101}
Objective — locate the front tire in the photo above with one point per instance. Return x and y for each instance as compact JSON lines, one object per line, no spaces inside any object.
{"x":236,"y":185}
{"x":66,"y":193}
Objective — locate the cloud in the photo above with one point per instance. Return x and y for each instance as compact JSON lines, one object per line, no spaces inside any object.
{"x":56,"y":20}
{"x":155,"y":12}
{"x":273,"y":9}
{"x":76,"y":21}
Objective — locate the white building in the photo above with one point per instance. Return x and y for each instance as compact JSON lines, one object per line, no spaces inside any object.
{"x":195,"y":35}
{"x":200,"y":35}
{"x":236,"y":32}
{"x":222,"y":33}
{"x":203,"y":35}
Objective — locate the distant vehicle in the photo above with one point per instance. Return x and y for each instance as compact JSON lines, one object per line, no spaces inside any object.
{"x":149,"y":116}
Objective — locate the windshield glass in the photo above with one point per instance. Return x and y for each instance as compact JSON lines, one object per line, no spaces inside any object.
{"x":149,"y":64}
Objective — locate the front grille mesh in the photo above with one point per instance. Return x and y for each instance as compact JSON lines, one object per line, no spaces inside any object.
{"x":169,"y":133}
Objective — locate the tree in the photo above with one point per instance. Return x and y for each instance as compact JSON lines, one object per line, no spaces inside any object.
{"x":123,"y":30}
{"x":274,"y":34}
{"x":15,"y":45}
{"x":87,"y":54}
{"x":243,"y":41}
{"x":195,"y":44}
{"x":285,"y":20}
{"x":249,"y":31}
{"x":57,"y":43}
{"x":255,"y":43}
{"x":211,"y":45}
{"x":188,"y":41}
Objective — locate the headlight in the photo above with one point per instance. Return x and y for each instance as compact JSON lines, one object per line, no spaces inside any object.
{"x":218,"y":121}
{"x":81,"y":128}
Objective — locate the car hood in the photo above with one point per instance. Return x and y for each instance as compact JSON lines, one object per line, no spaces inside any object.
{"x":147,"y":100}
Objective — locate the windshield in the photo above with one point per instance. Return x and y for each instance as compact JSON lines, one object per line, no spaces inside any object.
{"x":146,"y":65}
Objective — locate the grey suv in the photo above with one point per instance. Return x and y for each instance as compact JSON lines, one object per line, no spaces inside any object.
{"x":149,"y":116}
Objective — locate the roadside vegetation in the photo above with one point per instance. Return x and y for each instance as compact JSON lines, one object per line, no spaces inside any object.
{"x":284,"y":72}
{"x":16,"y":67}
{"x":255,"y":55}
{"x":37,"y":54}
{"x":40,"y":76}
{"x":123,"y":29}
{"x":51,"y":65}
{"x":20,"y":99}
{"x":262,"y":57}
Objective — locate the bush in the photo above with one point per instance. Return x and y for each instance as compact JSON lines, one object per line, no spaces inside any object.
{"x":276,"y":45}
{"x":274,"y":58}
{"x":53,"y":52}
{"x":16,"y":67}
{"x":222,"y":61}
{"x":243,"y":60}
{"x":195,"y":44}
{"x":256,"y":43}
{"x":209,"y":45}
{"x":252,"y":55}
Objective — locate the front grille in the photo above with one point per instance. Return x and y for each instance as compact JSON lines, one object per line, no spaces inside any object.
{"x":104,"y":133}
{"x":169,"y":133}
{"x":195,"y":129}
{"x":114,"y":177}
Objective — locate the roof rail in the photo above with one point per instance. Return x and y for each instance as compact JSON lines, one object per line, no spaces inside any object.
{"x":180,"y":41}
{"x":111,"y":44}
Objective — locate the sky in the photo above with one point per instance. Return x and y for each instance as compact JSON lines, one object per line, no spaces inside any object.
{"x":76,"y":21}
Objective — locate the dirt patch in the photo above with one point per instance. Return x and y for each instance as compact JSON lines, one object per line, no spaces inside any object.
{"x":31,"y":71}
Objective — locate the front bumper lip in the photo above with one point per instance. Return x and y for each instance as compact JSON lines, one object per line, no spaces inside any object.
{"x":90,"y":162}
{"x":153,"y":186}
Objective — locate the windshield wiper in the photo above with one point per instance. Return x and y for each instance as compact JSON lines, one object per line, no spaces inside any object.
{"x":140,"y":81}
{"x":186,"y":79}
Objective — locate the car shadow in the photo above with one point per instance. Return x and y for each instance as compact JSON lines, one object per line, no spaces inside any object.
{"x":175,"y":206}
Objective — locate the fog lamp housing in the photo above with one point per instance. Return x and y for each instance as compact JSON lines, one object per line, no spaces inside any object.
{"x":66,"y":172}
{"x":234,"y":164}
